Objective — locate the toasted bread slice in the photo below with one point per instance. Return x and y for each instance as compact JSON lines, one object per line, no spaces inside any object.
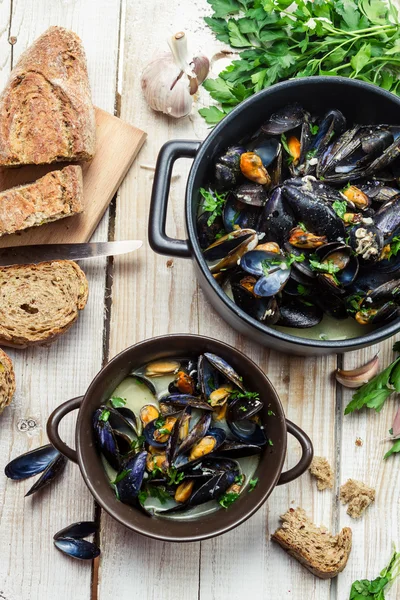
{"x":57,"y":195}
{"x":322,"y":553}
{"x":357,"y":495}
{"x":322,"y":471}
{"x":7,"y":380}
{"x":46,"y":111}
{"x":40,"y":302}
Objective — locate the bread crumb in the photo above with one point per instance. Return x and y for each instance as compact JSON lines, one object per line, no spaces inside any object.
{"x":359,"y":442}
{"x":358,"y":496}
{"x":322,"y":553}
{"x":322,"y":471}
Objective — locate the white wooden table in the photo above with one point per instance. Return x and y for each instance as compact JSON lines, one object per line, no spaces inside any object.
{"x":135,"y":298}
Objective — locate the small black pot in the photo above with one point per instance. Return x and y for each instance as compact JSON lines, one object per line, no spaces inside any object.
{"x":360,"y":102}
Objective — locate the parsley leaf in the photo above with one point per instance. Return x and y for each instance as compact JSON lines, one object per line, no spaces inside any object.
{"x":227,"y":499}
{"x":159,"y":492}
{"x":117,"y":402}
{"x":248,"y":395}
{"x":121,"y":476}
{"x":340,"y":208}
{"x":374,"y":393}
{"x":394,"y":449}
{"x":302,"y":290}
{"x":394,"y":246}
{"x":105,"y":415}
{"x":159,"y":422}
{"x":325,"y":267}
{"x":374,"y":590}
{"x":174,"y":475}
{"x":213,"y":203}
{"x":138,"y":443}
{"x":252,"y":484}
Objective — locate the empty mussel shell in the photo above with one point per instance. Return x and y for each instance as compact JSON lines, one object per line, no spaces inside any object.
{"x":180,"y":401}
{"x":284,"y":120}
{"x":237,"y":449}
{"x":31,"y":463}
{"x":249,"y":431}
{"x":78,"y":530}
{"x":213,"y":488}
{"x":77,"y":548}
{"x":244,"y":408}
{"x":225,"y":369}
{"x":49,"y":474}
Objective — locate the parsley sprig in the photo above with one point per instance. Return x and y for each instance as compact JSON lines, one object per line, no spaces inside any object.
{"x":340,"y":208}
{"x":353,"y":38}
{"x":364,"y":589}
{"x":214,"y":203}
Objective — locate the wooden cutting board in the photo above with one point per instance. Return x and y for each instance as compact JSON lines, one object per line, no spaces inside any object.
{"x":117,"y":145}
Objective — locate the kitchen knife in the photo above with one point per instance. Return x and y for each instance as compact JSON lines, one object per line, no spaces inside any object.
{"x":21,"y":255}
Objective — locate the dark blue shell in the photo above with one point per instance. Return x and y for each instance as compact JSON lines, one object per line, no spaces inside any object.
{"x":31,"y":463}
{"x":78,"y":530}
{"x":129,"y":487}
{"x":105,"y":440}
{"x":52,"y":471}
{"x":77,"y":548}
{"x":248,"y":431}
{"x":213,"y":488}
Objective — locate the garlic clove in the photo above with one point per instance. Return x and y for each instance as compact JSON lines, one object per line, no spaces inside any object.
{"x":355,"y":378}
{"x":201,"y":66}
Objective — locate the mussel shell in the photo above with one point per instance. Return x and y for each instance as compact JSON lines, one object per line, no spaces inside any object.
{"x":31,"y":463}
{"x":296,"y":313}
{"x":231,"y":158}
{"x":225,"y":369}
{"x":225,"y":176}
{"x":217,"y":464}
{"x":271,"y":284}
{"x":255,"y":262}
{"x":331,"y":304}
{"x":238,"y":449}
{"x":149,"y":432}
{"x":206,"y":233}
{"x":267,"y":149}
{"x":123,"y":420}
{"x":388,"y":312}
{"x":226,"y":244}
{"x":248,"y":431}
{"x":283,"y":120}
{"x":390,"y":290}
{"x":214,"y":488}
{"x":51,"y":472}
{"x":244,"y":408}
{"x":236,"y":214}
{"x":195,"y":434}
{"x":105,"y":440}
{"x":276,"y":219}
{"x":387,"y":218}
{"x":378,"y":191}
{"x":129,"y":487}
{"x":251,"y":193}
{"x":77,"y":548}
{"x":265,"y":310}
{"x":78,"y":530}
{"x":145,"y":380}
{"x":180,"y":401}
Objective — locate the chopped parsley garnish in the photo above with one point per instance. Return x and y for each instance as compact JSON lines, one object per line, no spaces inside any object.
{"x":105,"y":415}
{"x":394,"y":247}
{"x":213,"y":202}
{"x":271,"y":413}
{"x":138,"y":443}
{"x":159,"y":492}
{"x":227,"y":499}
{"x":117,"y":402}
{"x":252,"y":484}
{"x":302,"y":290}
{"x":286,"y":261}
{"x":220,"y":234}
{"x":340,"y":208}
{"x":121,"y":476}
{"x":243,"y":408}
{"x":394,"y":449}
{"x":175,"y":476}
{"x":325,"y":267}
{"x":302,"y":226}
{"x":235,"y":394}
{"x":142,"y":496}
{"x":270,"y":442}
{"x":314,"y":129}
{"x":164,"y":431}
{"x":239,"y":479}
{"x":311,"y":153}
{"x":353,"y":303}
{"x":159,"y":422}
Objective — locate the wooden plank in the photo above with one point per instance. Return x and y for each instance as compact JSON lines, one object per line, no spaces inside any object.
{"x":5,"y":46}
{"x":30,"y":567}
{"x":116,"y":148}
{"x":379,"y":528}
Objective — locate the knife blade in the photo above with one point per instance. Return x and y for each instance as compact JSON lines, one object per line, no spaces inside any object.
{"x":20,"y":255}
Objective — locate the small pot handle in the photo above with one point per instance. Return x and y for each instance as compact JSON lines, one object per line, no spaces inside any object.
{"x":52,"y":427}
{"x":306,"y":457}
{"x":159,"y":241}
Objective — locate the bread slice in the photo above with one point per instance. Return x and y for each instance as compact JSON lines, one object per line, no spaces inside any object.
{"x":358,"y":496}
{"x":46,"y":111}
{"x":322,"y":553}
{"x":57,"y":195}
{"x":7,"y":380}
{"x":322,"y":471}
{"x":40,"y":302}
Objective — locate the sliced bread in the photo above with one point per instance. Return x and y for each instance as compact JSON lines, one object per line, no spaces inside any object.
{"x":40,"y":302}
{"x":7,"y":380}
{"x":57,"y":195}
{"x":322,"y":553}
{"x":322,"y":471}
{"x":357,"y":495}
{"x":46,"y":111}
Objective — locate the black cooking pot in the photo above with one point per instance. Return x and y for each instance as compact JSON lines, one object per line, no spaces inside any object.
{"x":360,"y":102}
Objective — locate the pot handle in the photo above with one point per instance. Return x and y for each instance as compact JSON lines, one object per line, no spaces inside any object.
{"x":306,"y":457}
{"x":52,"y":427}
{"x":159,"y":241}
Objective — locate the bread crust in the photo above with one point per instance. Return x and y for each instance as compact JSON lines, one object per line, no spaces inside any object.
{"x":38,"y":303}
{"x":7,"y":380}
{"x":46,"y":111}
{"x":57,"y":195}
{"x":323,"y":554}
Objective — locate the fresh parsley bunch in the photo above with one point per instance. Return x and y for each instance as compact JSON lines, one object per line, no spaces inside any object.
{"x":282,"y":39}
{"x":374,"y":590}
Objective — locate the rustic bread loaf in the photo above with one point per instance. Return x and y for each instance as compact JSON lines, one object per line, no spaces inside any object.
{"x":57,"y":195}
{"x":322,"y":553}
{"x":40,"y":302}
{"x":46,"y":111}
{"x":7,"y":380}
{"x":322,"y":471}
{"x":357,"y":495}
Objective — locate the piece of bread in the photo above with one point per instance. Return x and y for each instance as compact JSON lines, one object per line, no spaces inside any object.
{"x":322,"y":471}
{"x":40,"y":302}
{"x":322,"y":553}
{"x":357,"y":495}
{"x":46,"y":111}
{"x":57,"y":195}
{"x":7,"y":380}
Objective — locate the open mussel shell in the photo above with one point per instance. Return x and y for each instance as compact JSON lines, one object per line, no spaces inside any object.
{"x":387,"y":218}
{"x":250,"y":193}
{"x":49,"y":474}
{"x":267,"y":149}
{"x":237,"y":214}
{"x":77,"y":548}
{"x":287,"y":118}
{"x":388,"y":312}
{"x":238,"y":449}
{"x":31,"y":463}
{"x":229,"y":248}
{"x":265,"y":310}
{"x":272,"y":283}
{"x":331,"y":304}
{"x":214,"y":488}
{"x":257,"y":262}
{"x":244,"y":408}
{"x":195,"y":434}
{"x":300,"y":314}
{"x":78,"y":530}
{"x":225,"y":369}
{"x":217,"y":464}
{"x":129,"y":487}
{"x":378,"y":191}
{"x":367,"y":241}
{"x":180,"y":401}
{"x":149,"y":432}
{"x":141,"y":378}
{"x":227,"y":167}
{"x":247,"y":430}
{"x":105,"y":439}
{"x":390,"y":290}
{"x":124,"y":420}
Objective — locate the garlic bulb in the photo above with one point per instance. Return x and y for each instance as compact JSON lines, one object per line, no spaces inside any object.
{"x":170,"y":80}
